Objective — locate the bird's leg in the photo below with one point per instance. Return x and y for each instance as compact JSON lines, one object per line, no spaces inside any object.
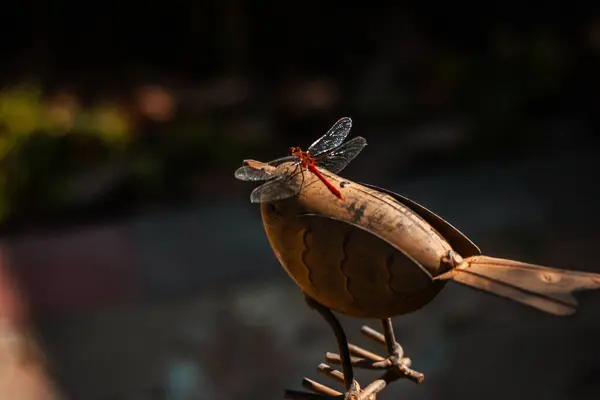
{"x":395,"y":364}
{"x":352,"y":387}
{"x":394,"y":367}
{"x":395,"y":360}
{"x":394,"y":350}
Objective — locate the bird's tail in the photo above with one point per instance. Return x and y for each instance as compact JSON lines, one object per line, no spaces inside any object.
{"x":547,"y":289}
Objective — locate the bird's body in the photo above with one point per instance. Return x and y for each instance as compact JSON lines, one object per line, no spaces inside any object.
{"x":348,"y":268}
{"x":377,"y":254}
{"x":369,"y":253}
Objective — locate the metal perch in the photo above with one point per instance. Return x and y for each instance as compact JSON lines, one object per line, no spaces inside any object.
{"x":363,"y":359}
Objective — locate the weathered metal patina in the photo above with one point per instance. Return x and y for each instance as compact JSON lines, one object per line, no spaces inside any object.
{"x":377,"y":254}
{"x":371,"y":253}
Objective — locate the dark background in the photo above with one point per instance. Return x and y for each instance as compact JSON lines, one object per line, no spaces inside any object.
{"x":145,"y":266}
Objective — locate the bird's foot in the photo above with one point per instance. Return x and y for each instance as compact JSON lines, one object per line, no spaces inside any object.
{"x":396,"y":366}
{"x":323,"y":392}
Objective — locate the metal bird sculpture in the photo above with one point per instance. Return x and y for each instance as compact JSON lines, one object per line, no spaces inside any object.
{"x":366,"y":252}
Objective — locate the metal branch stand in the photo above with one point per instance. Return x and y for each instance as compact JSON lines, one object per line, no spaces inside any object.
{"x":363,"y":359}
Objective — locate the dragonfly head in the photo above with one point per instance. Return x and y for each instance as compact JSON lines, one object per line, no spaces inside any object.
{"x":295,"y":151}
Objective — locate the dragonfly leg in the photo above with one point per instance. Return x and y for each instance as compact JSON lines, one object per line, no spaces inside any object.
{"x":352,"y":386}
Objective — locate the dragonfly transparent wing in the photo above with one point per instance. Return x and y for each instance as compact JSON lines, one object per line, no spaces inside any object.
{"x":339,"y":158}
{"x":259,"y":171}
{"x":333,"y":138}
{"x":276,"y":189}
{"x":247,"y":173}
{"x":255,"y":171}
{"x":281,"y":160}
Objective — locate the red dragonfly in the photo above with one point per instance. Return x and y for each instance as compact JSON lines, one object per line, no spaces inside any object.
{"x":329,"y":152}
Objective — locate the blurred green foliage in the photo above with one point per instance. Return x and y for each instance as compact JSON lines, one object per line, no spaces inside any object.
{"x":53,"y":147}
{"x":59,"y":156}
{"x":23,"y":112}
{"x":38,"y":143}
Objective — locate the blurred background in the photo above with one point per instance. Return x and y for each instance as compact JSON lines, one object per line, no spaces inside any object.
{"x":132,"y":264}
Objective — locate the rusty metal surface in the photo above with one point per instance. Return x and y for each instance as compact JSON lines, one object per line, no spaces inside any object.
{"x":376,"y":254}
{"x":341,"y":252}
{"x":547,"y":289}
{"x":459,"y":242}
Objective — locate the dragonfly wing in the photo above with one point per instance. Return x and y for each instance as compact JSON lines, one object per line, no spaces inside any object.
{"x":248,"y":173}
{"x":276,"y":189}
{"x":333,"y":138}
{"x":281,"y":160}
{"x":339,"y":158}
{"x":259,"y":171}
